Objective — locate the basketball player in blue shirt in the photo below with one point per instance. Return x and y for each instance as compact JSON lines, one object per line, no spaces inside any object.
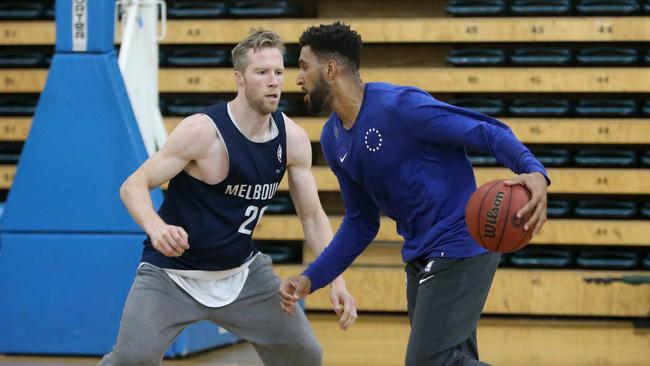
{"x":199,"y":262}
{"x":398,"y":151}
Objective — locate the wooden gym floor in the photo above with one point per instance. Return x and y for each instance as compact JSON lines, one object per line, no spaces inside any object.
{"x":380,"y":340}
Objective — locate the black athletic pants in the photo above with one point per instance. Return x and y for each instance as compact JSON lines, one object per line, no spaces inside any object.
{"x":445,"y":300}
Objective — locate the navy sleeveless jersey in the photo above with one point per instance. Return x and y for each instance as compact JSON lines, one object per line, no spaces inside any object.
{"x":219,"y":219}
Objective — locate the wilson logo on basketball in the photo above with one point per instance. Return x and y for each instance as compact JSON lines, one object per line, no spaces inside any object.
{"x":492,"y":215}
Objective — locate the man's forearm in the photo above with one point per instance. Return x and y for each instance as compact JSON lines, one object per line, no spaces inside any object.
{"x":318,"y":234}
{"x":137,"y":201}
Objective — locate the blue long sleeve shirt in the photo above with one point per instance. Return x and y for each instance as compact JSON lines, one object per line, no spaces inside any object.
{"x":405,"y":156}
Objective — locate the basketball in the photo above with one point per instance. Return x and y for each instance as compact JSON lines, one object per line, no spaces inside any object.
{"x":491,"y":216}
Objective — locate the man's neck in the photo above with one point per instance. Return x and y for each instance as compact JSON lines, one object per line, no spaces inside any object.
{"x":348,"y":97}
{"x":254,"y":125}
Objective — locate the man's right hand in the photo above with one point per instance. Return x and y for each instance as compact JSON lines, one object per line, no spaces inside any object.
{"x":170,"y":240}
{"x":293,"y":289}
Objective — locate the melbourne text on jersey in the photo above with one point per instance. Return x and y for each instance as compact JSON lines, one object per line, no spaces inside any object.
{"x":252,"y":191}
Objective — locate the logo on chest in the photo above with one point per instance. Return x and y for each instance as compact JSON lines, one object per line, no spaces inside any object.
{"x":279,"y":153}
{"x":373,"y":140}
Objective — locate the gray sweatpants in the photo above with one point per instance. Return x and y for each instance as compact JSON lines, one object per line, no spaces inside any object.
{"x":157,"y":310}
{"x":445,"y":300}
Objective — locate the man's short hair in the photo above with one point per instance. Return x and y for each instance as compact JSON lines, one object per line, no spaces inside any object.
{"x":258,"y":39}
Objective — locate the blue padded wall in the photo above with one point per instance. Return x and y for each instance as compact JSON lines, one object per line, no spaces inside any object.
{"x":83,"y":143}
{"x":64,"y":294}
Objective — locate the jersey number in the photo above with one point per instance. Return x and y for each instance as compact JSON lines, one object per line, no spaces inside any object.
{"x":252,"y":213}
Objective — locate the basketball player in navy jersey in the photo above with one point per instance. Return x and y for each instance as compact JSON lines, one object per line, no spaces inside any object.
{"x":398,"y":151}
{"x":199,"y":262}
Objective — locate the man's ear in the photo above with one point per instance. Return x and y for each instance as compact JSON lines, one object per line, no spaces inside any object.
{"x":331,"y":69}
{"x":239,"y":78}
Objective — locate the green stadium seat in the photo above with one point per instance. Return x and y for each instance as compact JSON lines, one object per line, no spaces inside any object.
{"x":603,"y":208}
{"x":541,"y":56}
{"x":187,"y":104}
{"x":556,"y":208}
{"x":540,"y":107}
{"x":541,"y":258}
{"x":21,"y":10}
{"x":540,"y":7}
{"x":604,"y":157}
{"x":22,"y":57}
{"x":552,"y":156}
{"x":197,"y":9}
{"x":645,"y":158}
{"x":477,"y":57}
{"x":607,"y":108}
{"x":607,"y":259}
{"x":194,"y":57}
{"x":608,"y":7}
{"x":608,"y":56}
{"x":18,"y":104}
{"x":476,"y":7}
{"x":479,"y":158}
{"x":489,"y":106}
{"x":263,"y":9}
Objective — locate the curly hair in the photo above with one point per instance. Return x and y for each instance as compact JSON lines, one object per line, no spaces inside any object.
{"x":334,"y":40}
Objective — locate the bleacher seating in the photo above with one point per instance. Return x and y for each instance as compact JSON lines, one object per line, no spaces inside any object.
{"x":522,"y":61}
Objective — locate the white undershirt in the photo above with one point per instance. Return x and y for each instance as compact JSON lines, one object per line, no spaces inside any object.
{"x":212,"y":288}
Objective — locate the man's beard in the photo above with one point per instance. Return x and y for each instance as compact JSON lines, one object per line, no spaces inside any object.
{"x":319,"y":97}
{"x":258,"y":104}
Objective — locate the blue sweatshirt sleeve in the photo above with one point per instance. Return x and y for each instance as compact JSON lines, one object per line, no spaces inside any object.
{"x":359,"y":227}
{"x":435,"y":122}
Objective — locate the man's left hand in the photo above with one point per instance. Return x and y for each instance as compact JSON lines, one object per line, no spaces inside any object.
{"x":537,"y":185}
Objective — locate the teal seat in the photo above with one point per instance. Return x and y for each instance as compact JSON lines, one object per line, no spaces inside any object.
{"x":263,"y":9}
{"x":606,"y":209}
{"x":479,"y":158}
{"x":22,"y":10}
{"x":540,"y":107}
{"x":194,"y":57}
{"x":608,"y":7}
{"x":477,"y":57}
{"x":607,"y":108}
{"x":18,"y":104}
{"x":197,"y":9}
{"x":607,"y":259}
{"x":606,"y":158}
{"x":11,"y":57}
{"x":552,"y":156}
{"x":187,"y":104}
{"x":489,"y":106}
{"x":541,"y":7}
{"x":608,"y":56}
{"x":556,"y":208}
{"x":541,"y":258}
{"x":541,"y":56}
{"x":476,"y":7}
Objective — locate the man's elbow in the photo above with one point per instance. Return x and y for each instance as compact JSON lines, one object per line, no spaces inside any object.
{"x":124,"y":189}
{"x":128,"y":186}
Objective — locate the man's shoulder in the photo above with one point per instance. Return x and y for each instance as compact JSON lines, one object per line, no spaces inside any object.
{"x":197,"y":124}
{"x":295,"y":132}
{"x":383,"y":96}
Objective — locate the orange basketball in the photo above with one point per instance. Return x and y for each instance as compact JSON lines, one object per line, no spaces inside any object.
{"x":491,"y":216}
